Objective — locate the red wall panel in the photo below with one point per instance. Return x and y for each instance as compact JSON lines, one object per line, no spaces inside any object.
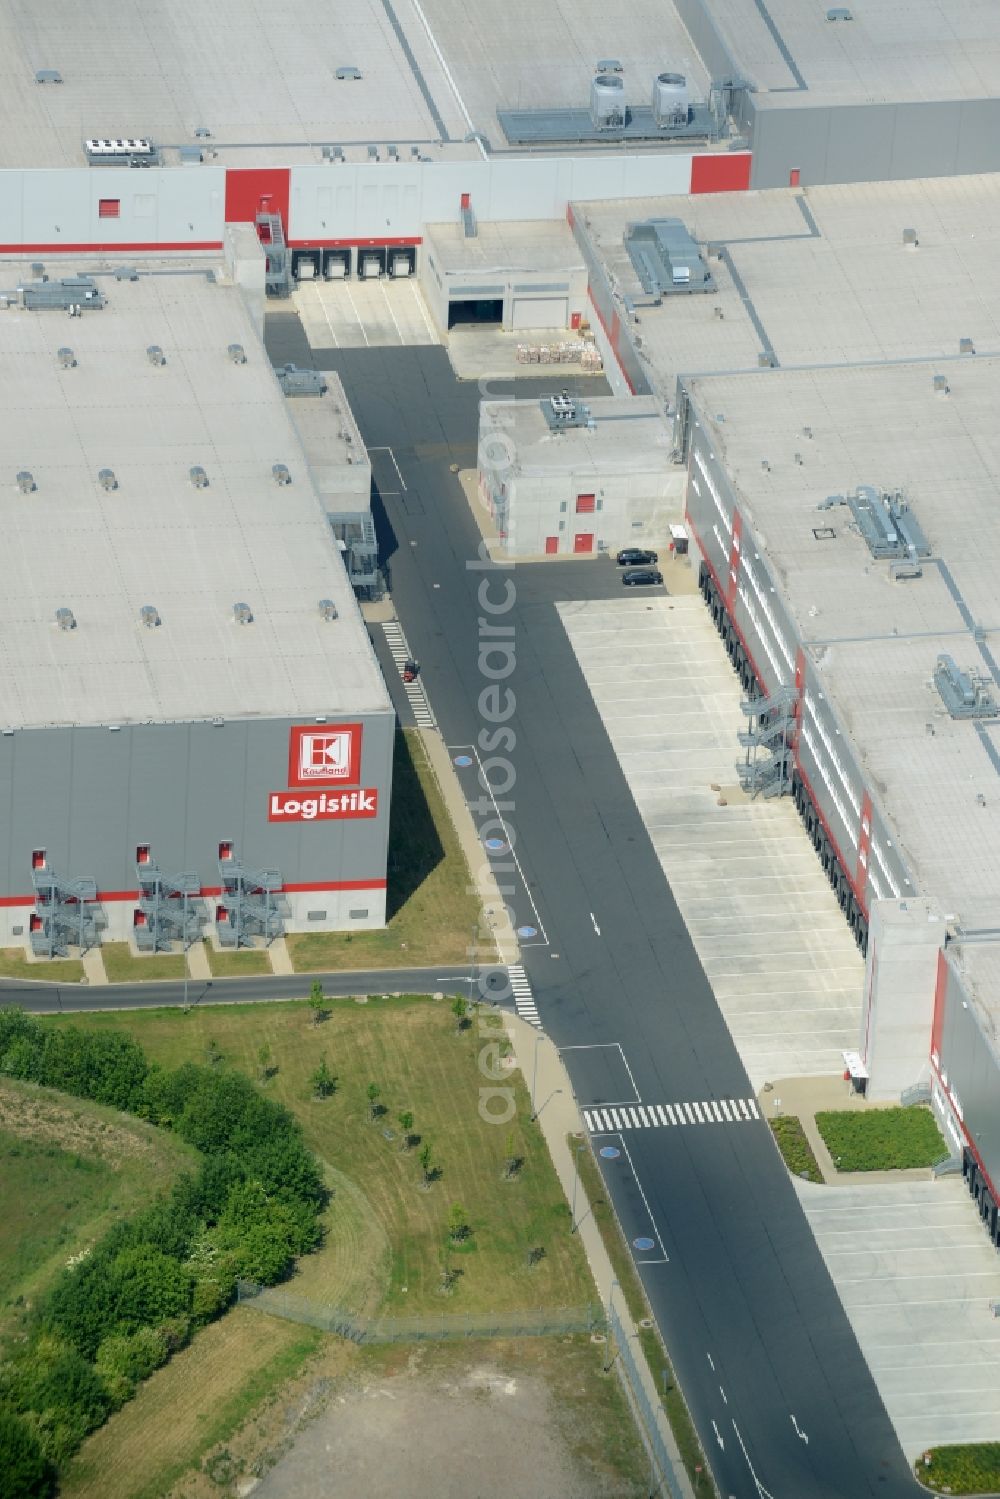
{"x":245,"y":187}
{"x":722,"y":172}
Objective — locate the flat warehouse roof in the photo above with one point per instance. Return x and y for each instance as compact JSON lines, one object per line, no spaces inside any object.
{"x":629,"y":435}
{"x":547,"y":244}
{"x":926,"y":49}
{"x":156,"y":538}
{"x":876,"y":641}
{"x":820,"y":277}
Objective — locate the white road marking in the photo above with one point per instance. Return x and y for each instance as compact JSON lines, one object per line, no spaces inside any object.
{"x":718,"y":1438}
{"x":594,"y":921}
{"x":799,"y":1432}
{"x":357,"y":314}
{"x":385,"y":298}
{"x":762,"y":1492}
{"x":484,"y":781}
{"x":621,"y":1116}
{"x":415,"y":292}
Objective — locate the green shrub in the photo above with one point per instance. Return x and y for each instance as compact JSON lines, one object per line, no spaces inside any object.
{"x":970,"y":1469}
{"x":796,"y":1152}
{"x":881,"y":1139}
{"x":25,"y":1471}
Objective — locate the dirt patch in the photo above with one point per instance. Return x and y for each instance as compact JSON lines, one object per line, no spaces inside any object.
{"x":41,"y":1120}
{"x":454,"y":1421}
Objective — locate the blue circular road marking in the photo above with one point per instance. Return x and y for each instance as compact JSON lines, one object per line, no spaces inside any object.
{"x":610,"y":1153}
{"x":644,"y":1243}
{"x":527,"y":931}
{"x":463,"y":760}
{"x":495,"y":845}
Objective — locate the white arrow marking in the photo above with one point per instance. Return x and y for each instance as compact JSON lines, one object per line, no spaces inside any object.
{"x":718,"y":1437}
{"x":762,"y":1492}
{"x":594,"y":920}
{"x":723,"y":1394}
{"x":799,"y":1432}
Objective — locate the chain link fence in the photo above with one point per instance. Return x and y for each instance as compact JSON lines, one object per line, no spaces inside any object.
{"x":652,"y":1418}
{"x":429,"y":1328}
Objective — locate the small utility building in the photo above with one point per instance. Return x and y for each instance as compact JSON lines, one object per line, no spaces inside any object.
{"x":513,"y":276}
{"x":562,"y":475}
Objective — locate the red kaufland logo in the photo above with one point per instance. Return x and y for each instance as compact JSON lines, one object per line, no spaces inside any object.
{"x":289,"y":806}
{"x":325,"y":757}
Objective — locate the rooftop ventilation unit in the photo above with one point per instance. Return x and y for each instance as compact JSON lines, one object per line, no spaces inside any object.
{"x":607,"y":101}
{"x":608,"y":65}
{"x":243,"y":614}
{"x":666,"y":259}
{"x":48,"y":75}
{"x":149,"y":616}
{"x":106,"y":478}
{"x":67,"y":295}
{"x":190,"y":156}
{"x":155,"y":355}
{"x":237,"y":353}
{"x":198,"y":477}
{"x":966,"y":346}
{"x":125,"y":273}
{"x":295,"y":381}
{"x":963,"y":695}
{"x":280,"y":474}
{"x":910,"y":240}
{"x":671,"y":105}
{"x":327,"y":609}
{"x":26,"y":481}
{"x":115,"y":153}
{"x":65,"y":619}
{"x":885,"y":520}
{"x":202,"y":133}
{"x":562,"y":412}
{"x":66,"y":358}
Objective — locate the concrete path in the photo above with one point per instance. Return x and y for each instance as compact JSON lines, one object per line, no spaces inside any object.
{"x":771,"y":938}
{"x":197,"y":962}
{"x":93,"y":966}
{"x":559,"y":1118}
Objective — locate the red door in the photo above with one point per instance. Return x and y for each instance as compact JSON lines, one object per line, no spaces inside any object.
{"x":793,"y":177}
{"x":551,"y":544}
{"x":583,"y":541}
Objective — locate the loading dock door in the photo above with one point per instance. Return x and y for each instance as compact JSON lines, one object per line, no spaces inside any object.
{"x":540,"y":312}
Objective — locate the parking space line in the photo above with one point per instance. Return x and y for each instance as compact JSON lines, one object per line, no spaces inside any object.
{"x":385,"y":298}
{"x":357,"y":314}
{"x":418,"y":298}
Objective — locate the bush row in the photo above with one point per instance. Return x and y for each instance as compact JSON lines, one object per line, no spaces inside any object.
{"x":251,"y":1206}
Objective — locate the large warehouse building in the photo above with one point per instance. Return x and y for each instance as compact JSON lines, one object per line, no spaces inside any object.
{"x":195,"y":732}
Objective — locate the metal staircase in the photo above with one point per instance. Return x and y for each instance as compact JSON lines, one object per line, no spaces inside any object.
{"x":766,"y":769}
{"x":65,"y":914}
{"x":166,"y":908}
{"x":250,"y":904}
{"x":278,"y":269}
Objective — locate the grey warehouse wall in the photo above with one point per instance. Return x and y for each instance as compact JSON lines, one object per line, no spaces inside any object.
{"x":873,"y":142}
{"x":969,"y":1064}
{"x":89,"y":796}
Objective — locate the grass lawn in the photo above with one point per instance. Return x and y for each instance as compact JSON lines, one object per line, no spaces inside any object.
{"x":430,"y":906}
{"x":388,"y":1237}
{"x":231,"y":965}
{"x":795,"y":1149}
{"x":199,"y":1398}
{"x":635,"y":1299}
{"x":882,"y":1139}
{"x":122,"y":968}
{"x":970,"y":1469}
{"x":68,"y":1170}
{"x":14,"y":965}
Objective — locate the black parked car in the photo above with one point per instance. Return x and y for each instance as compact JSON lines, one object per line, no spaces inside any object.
{"x":637,"y":576}
{"x":636,"y":557}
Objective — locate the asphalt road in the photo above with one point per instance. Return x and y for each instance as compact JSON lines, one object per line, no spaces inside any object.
{"x":47,"y":999}
{"x":777,"y":1385}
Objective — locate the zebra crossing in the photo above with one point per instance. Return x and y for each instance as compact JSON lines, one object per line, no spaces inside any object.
{"x":399,"y":650}
{"x":524,"y":1000}
{"x":654,"y":1115}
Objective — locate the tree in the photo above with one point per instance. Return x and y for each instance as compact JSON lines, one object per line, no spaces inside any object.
{"x":317,"y":1002}
{"x":406,"y":1125}
{"x":458,"y":1224}
{"x":323,"y":1081}
{"x":263,"y":1062}
{"x":512,"y":1161}
{"x":429,"y":1171}
{"x":374,"y":1093}
{"x":27,"y":1473}
{"x":460,"y":1010}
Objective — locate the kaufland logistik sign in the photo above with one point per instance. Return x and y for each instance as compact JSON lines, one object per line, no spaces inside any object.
{"x":326,"y":760}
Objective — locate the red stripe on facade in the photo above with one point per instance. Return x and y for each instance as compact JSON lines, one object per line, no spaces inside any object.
{"x":607,"y":334}
{"x":346,"y":244}
{"x":722,"y":594}
{"x":965,"y":1133}
{"x":734,"y":562}
{"x":211,"y":891}
{"x":570,"y":216}
{"x":102,"y":247}
{"x":251,"y":190}
{"x":940,"y":988}
{"x":721,"y":172}
{"x":864,"y":841}
{"x":833,"y":842}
